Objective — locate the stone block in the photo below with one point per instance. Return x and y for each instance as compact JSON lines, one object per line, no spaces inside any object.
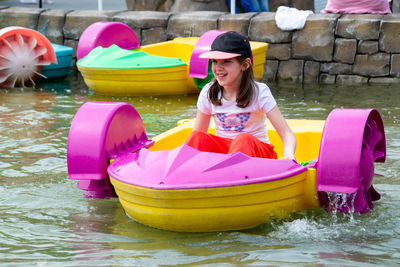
{"x":389,"y":38}
{"x":316,"y":40}
{"x":72,"y":43}
{"x":351,"y":79}
{"x":395,"y":65}
{"x":326,"y":78}
{"x":52,"y":21}
{"x":199,"y":5}
{"x":336,"y":68}
{"x":236,"y":22}
{"x":311,"y":71}
{"x":77,"y":21}
{"x":279,"y":51}
{"x":345,"y":50}
{"x":360,"y":26}
{"x":192,"y":23}
{"x":384,"y":80}
{"x":263,"y":28}
{"x":367,"y":47}
{"x":290,"y":71}
{"x":153,"y":35}
{"x":372,"y":65}
{"x":20,"y":16}
{"x":270,"y":70}
{"x":143,"y":19}
{"x":155,"y":5}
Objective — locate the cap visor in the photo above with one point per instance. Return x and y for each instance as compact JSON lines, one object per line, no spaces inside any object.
{"x":218,"y":55}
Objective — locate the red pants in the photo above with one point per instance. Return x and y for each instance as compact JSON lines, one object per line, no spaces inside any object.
{"x":244,"y":142}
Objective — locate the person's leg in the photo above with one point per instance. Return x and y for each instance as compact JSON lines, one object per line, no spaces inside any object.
{"x":251,"y":146}
{"x":263,"y":4}
{"x":208,"y":142}
{"x":247,"y":6}
{"x":256,"y":6}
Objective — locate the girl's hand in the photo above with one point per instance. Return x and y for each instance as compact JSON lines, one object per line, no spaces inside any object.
{"x":289,"y":156}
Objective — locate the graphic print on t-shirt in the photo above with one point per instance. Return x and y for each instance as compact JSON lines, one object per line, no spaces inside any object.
{"x":234,"y":122}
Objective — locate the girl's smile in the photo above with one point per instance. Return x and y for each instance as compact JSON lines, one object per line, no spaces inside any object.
{"x":228,"y":73}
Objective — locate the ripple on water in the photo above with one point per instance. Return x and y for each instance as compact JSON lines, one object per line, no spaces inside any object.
{"x":44,"y":220}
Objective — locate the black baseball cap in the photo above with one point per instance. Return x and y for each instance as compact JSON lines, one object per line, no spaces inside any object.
{"x":229,"y":45}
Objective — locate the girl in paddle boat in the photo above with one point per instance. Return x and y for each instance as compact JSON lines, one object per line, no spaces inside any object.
{"x":238,"y":105}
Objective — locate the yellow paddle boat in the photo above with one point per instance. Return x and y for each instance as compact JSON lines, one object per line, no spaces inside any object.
{"x":112,"y":62}
{"x":168,"y":185}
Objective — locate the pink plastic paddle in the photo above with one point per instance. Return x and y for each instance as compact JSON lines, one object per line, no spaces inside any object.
{"x":104,"y":34}
{"x":100,"y":132}
{"x":198,"y":67}
{"x":352,"y":140}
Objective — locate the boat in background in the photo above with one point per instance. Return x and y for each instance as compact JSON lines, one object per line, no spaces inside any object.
{"x":112,"y":62}
{"x":165,"y":184}
{"x":64,"y":62}
{"x":23,"y":53}
{"x":26,"y":54}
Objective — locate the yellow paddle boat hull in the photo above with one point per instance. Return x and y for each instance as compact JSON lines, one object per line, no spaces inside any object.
{"x":158,"y":81}
{"x":225,"y":208}
{"x":166,"y":184}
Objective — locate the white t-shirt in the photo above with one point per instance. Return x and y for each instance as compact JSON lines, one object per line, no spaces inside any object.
{"x":231,"y":120}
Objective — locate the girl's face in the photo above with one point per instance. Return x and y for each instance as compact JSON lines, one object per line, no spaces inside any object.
{"x":229,"y":72}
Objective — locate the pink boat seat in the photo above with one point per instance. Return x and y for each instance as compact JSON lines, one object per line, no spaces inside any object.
{"x":186,"y":167}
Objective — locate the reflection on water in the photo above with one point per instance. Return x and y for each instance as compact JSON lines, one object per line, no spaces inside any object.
{"x":45,"y":221}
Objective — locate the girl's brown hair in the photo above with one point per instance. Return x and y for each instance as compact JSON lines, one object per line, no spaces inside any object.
{"x":246,"y":88}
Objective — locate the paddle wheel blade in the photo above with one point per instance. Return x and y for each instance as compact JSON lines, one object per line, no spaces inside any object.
{"x":23,"y":52}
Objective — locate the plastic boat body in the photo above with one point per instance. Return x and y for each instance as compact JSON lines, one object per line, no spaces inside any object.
{"x":182,"y":189}
{"x":168,"y":185}
{"x":158,"y":69}
{"x":64,"y":63}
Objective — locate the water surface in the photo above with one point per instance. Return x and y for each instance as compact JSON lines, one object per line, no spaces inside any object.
{"x":45,"y":221}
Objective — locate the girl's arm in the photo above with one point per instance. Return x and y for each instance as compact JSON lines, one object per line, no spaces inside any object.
{"x":286,"y":134}
{"x":202,"y":121}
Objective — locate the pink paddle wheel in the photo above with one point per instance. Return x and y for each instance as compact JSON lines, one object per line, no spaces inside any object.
{"x":23,"y":52}
{"x":352,"y":140}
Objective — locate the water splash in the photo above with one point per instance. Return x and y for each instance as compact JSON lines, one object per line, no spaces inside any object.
{"x":341,"y":201}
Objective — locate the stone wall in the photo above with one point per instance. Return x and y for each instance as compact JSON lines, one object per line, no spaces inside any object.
{"x":207,"y":5}
{"x":342,"y":49}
